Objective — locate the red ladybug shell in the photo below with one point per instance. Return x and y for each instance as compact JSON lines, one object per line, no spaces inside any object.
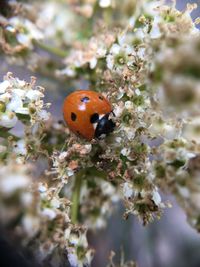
{"x":82,"y":110}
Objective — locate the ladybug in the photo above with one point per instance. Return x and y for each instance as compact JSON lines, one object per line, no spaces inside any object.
{"x":87,"y":113}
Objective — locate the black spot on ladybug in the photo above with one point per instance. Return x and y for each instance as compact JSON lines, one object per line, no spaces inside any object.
{"x":73,"y":116}
{"x":100,"y":97}
{"x":94,"y":118}
{"x":85,"y":99}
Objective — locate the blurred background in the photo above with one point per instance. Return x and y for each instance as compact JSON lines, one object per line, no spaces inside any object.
{"x":165,"y":243}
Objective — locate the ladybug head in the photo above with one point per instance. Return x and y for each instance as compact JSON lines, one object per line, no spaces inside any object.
{"x":104,"y":126}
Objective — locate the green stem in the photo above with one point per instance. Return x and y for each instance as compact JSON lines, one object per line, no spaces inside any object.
{"x":6,"y":134}
{"x":54,"y":50}
{"x":77,"y":188}
{"x":76,"y":197}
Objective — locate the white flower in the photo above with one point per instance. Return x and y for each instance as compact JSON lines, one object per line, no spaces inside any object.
{"x":3,"y":86}
{"x":12,"y":182}
{"x":73,"y":259}
{"x":101,"y":52}
{"x":88,"y":148}
{"x":115,"y":49}
{"x":67,"y":233}
{"x":26,"y":199}
{"x":74,"y":239}
{"x":55,"y":203}
{"x":118,"y":139}
{"x":137,"y":92}
{"x":55,"y":17}
{"x":69,"y":71}
{"x":104,"y":3}
{"x":8,"y":120}
{"x":14,"y":103}
{"x":139,"y":34}
{"x":119,"y":55}
{"x":3,"y":149}
{"x":42,"y":187}
{"x":118,"y":110}
{"x":125,"y":151}
{"x":183,"y":191}
{"x":156,"y":197}
{"x":34,"y":95}
{"x":19,"y":97}
{"x":44,"y":115}
{"x":107,"y":188}
{"x":26,"y":31}
{"x":20,"y":148}
{"x":63,"y":155}
{"x":19,"y":92}
{"x":23,"y":39}
{"x":129,"y":105}
{"x":100,"y":223}
{"x":24,"y":111}
{"x":5,"y":97}
{"x":170,"y":132}
{"x":127,"y":190}
{"x":70,"y":172}
{"x":50,"y":213}
{"x":155,"y":31}
{"x":31,"y":224}
{"x":141,"y":53}
{"x":93,"y":63}
{"x":130,"y":133}
{"x":191,"y":129}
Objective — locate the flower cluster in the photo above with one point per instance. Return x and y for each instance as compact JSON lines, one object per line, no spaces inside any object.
{"x":176,"y":168}
{"x":18,"y":31}
{"x":144,"y":60}
{"x":44,"y":217}
{"x":19,"y":98}
{"x":89,"y":54}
